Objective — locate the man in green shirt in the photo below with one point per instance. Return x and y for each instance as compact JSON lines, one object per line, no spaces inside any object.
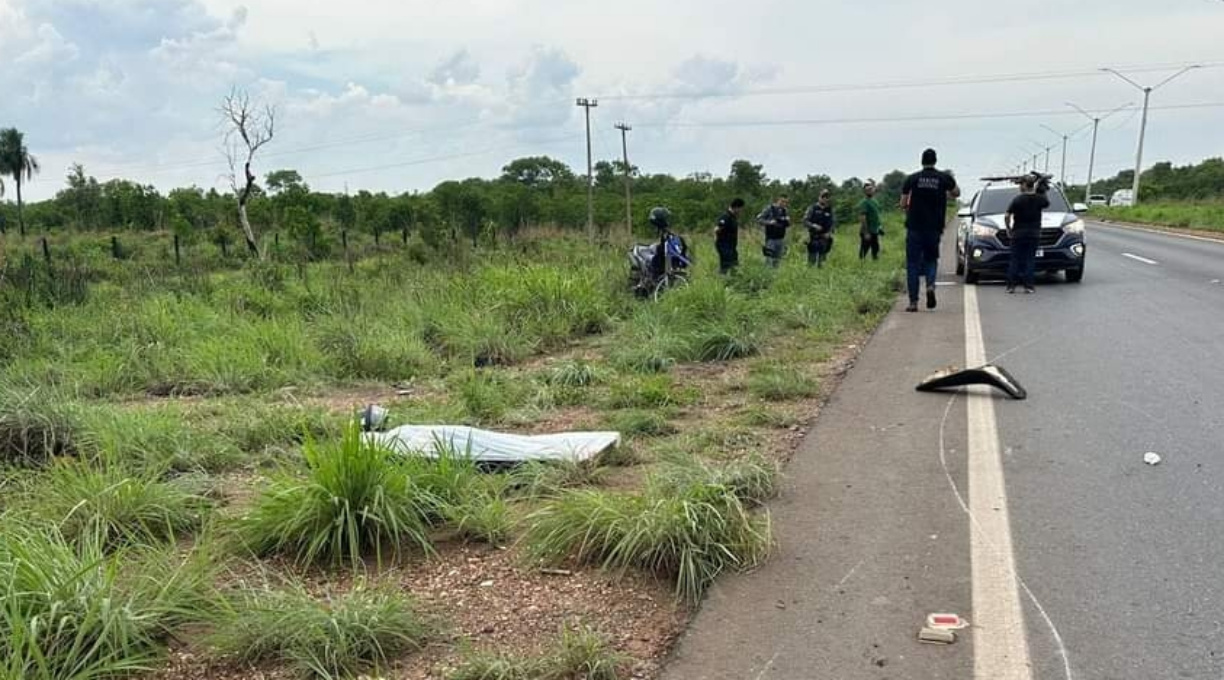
{"x":869,"y":223}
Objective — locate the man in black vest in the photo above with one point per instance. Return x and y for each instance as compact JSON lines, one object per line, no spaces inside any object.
{"x":726,"y":237}
{"x":924,"y":198}
{"x":776,"y":220}
{"x":819,"y":221}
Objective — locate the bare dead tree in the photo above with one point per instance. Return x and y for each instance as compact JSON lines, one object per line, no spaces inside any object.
{"x":248,"y":127}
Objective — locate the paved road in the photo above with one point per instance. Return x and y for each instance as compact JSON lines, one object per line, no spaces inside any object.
{"x":1125,"y":560}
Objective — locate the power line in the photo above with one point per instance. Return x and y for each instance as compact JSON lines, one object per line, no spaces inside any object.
{"x":901,"y":84}
{"x":897,"y":119}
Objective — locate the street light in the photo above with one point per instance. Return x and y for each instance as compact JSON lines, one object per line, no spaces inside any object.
{"x":1147,"y":93}
{"x":1062,"y":174}
{"x":1045,"y":148}
{"x":1096,"y":122}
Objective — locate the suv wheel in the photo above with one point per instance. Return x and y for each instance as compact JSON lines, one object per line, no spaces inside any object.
{"x":971,"y":276}
{"x":960,"y":266}
{"x":1075,"y":275}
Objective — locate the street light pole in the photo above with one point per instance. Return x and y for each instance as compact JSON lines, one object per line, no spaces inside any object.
{"x":1096,"y":123}
{"x":1062,"y":174}
{"x":1147,"y":94}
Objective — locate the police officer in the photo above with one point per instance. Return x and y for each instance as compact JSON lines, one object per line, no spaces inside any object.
{"x":924,"y":198}
{"x":1024,"y":226}
{"x":819,"y":221}
{"x":776,"y":220}
{"x":726,"y":237}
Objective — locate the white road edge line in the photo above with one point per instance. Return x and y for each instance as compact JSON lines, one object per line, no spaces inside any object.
{"x":1144,"y":260}
{"x":1159,"y":232}
{"x":1000,"y":642}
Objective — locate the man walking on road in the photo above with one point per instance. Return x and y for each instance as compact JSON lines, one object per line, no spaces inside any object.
{"x":819,"y":221}
{"x":726,"y":237}
{"x":924,"y":198}
{"x":869,"y":223}
{"x":1024,"y":225}
{"x":776,"y":220}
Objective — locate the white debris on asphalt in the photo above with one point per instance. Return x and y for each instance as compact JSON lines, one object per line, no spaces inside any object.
{"x":1151,"y":458}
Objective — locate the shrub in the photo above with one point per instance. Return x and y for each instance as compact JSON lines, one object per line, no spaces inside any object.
{"x":353,"y":498}
{"x":336,"y":636}
{"x":692,"y":533}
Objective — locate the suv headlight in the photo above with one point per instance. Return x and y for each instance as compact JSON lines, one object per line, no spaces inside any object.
{"x":980,"y":230}
{"x":1076,"y":227}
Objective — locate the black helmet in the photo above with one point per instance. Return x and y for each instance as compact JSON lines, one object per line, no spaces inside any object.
{"x":660,"y":217}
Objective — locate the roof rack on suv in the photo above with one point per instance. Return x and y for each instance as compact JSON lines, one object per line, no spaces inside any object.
{"x":1017,"y":178}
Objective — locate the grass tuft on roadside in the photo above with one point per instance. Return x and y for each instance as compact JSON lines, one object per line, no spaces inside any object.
{"x":332,"y":635}
{"x":690,"y":532}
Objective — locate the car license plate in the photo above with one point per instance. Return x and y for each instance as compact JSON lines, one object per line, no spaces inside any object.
{"x":1040,"y":253}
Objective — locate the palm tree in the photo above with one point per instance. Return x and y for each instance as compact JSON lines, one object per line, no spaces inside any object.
{"x":17,"y":162}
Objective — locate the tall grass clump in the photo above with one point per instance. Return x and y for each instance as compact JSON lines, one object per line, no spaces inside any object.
{"x":35,"y":426}
{"x":691,"y":533}
{"x":753,"y":480}
{"x":71,"y":611}
{"x":579,"y":653}
{"x":574,"y":373}
{"x":779,"y":383}
{"x":336,"y":635}
{"x":352,"y":499}
{"x":112,"y":504}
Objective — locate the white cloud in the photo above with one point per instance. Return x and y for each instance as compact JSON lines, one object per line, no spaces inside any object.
{"x":458,"y":69}
{"x":131,"y":86}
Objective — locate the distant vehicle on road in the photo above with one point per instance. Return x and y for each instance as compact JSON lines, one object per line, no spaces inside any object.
{"x":983,"y":244}
{"x":1122,"y":198}
{"x":1097,"y":199}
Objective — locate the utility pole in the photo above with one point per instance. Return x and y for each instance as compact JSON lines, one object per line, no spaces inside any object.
{"x":1062,"y":174}
{"x":589,"y":104}
{"x":1096,"y":123}
{"x":1147,"y":94}
{"x":624,"y":130}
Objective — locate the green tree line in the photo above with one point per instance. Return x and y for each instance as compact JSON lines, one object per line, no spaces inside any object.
{"x":1166,"y":182}
{"x":531,"y":191}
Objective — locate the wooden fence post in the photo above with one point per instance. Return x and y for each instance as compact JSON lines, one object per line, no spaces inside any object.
{"x":177,"y":258}
{"x":115,"y":247}
{"x":46,"y":251}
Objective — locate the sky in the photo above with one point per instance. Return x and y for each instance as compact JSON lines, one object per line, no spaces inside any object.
{"x":398,"y":95}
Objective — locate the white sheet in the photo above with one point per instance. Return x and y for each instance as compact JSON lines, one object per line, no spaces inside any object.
{"x":494,"y":447}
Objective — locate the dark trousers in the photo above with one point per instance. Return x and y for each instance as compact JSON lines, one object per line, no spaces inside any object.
{"x":921,"y":259}
{"x":728,"y":257}
{"x":818,"y":250}
{"x":1022,"y":267}
{"x":869,"y":243}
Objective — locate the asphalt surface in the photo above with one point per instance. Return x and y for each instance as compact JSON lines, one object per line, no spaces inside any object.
{"x":1126,"y":560}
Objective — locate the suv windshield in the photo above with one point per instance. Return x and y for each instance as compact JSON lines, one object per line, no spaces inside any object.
{"x":995,"y":200}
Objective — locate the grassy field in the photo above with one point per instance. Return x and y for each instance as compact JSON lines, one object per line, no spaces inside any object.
{"x":183,"y":493}
{"x":1207,"y":216}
